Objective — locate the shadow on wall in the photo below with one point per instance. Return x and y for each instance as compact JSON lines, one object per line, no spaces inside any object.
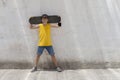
{"x":65,"y":65}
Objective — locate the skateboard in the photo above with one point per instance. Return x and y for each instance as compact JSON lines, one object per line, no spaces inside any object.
{"x":51,"y":19}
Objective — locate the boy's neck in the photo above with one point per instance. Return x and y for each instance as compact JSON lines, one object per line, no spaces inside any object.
{"x":44,"y":24}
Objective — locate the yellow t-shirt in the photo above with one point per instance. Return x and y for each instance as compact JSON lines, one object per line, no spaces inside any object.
{"x":44,"y":34}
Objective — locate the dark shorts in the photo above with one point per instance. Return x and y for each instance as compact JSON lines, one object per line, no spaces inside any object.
{"x":48,"y":48}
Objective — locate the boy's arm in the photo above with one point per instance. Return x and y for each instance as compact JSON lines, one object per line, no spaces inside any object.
{"x":34,"y":26}
{"x":56,"y":25}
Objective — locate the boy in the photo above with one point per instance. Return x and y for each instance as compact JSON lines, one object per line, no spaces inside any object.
{"x":44,"y":41}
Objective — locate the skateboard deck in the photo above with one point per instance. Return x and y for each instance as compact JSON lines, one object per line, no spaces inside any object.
{"x":51,"y":19}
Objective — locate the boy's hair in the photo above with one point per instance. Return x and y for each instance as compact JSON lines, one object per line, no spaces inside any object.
{"x":44,"y":16}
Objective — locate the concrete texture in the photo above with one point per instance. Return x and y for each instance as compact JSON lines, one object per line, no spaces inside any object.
{"x":80,"y":74}
{"x":88,"y":38}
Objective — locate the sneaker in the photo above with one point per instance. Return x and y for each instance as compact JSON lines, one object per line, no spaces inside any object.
{"x":34,"y":69}
{"x":59,"y":69}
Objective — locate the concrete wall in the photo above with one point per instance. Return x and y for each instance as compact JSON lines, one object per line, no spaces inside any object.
{"x":88,"y":38}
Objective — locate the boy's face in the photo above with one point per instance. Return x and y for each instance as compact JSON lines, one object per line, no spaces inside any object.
{"x":44,"y":20}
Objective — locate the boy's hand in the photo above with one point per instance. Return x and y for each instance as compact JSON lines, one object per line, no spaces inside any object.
{"x":32,"y":26}
{"x":59,"y":24}
{"x":56,"y":25}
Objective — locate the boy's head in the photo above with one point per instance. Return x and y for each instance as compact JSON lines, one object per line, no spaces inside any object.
{"x":44,"y":18}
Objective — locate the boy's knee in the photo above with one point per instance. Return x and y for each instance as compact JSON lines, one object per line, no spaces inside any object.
{"x":38,"y":55}
{"x":52,"y":55}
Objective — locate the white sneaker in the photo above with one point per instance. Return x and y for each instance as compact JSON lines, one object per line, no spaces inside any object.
{"x":34,"y":69}
{"x":59,"y":69}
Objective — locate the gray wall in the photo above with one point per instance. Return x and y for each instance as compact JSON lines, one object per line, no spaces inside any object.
{"x":88,"y":38}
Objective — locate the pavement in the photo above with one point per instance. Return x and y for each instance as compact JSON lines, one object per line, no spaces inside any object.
{"x":79,"y":74}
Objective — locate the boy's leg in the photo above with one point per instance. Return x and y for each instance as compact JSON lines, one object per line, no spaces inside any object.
{"x":35,"y":63}
{"x":56,"y":64}
{"x":54,"y":60}
{"x":39,"y":53}
{"x":37,"y":59}
{"x":52,"y":53}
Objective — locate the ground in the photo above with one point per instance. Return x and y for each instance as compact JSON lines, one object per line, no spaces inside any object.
{"x":79,"y":74}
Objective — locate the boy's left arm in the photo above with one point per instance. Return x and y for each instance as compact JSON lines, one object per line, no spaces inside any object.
{"x":57,"y":25}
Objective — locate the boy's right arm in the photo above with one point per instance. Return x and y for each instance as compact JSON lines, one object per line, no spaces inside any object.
{"x":34,"y":26}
